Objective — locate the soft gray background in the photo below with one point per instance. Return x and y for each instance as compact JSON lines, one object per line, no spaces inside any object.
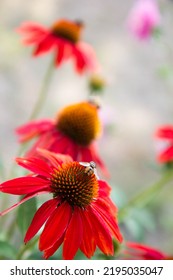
{"x":136,"y":101}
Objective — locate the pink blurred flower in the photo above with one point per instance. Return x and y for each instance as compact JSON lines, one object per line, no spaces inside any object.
{"x":144,"y":18}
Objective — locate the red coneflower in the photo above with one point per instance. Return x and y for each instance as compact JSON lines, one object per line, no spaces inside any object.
{"x":80,"y":215}
{"x":137,"y":251}
{"x":165,"y":153}
{"x":63,"y":37}
{"x":73,"y":132}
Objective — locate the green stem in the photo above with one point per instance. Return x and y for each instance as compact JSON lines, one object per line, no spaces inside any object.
{"x":40,"y":101}
{"x":43,"y":92}
{"x":25,"y":248}
{"x":146,"y":195}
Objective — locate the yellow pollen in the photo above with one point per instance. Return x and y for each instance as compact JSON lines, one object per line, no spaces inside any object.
{"x":80,"y":122}
{"x":72,"y":184}
{"x":69,"y":30}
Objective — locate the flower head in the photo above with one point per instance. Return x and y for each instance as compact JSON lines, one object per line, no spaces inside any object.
{"x":165,"y":134}
{"x":73,"y":132}
{"x":144,"y":18}
{"x":80,"y":214}
{"x":137,"y":251}
{"x":64,"y":38}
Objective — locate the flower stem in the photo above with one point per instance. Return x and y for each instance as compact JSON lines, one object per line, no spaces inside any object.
{"x":43,"y":92}
{"x":146,"y":195}
{"x":25,"y":248}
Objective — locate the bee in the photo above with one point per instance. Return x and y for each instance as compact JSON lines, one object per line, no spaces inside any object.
{"x":90,"y":168}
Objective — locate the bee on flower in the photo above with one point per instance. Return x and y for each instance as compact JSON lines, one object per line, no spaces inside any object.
{"x":80,"y":215}
{"x":74,"y":132}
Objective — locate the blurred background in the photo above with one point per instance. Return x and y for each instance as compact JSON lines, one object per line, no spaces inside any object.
{"x":137,"y":99}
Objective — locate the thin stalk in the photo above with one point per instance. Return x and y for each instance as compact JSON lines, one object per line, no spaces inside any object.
{"x":146,"y":195}
{"x":24,"y":248}
{"x":43,"y":92}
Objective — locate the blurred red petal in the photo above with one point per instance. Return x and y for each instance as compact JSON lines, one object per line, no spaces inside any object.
{"x":166,"y":156}
{"x":165,"y":132}
{"x":33,"y":128}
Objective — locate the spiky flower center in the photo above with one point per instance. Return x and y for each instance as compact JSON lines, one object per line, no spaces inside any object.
{"x":80,"y":122}
{"x":69,"y":30}
{"x":73,"y":184}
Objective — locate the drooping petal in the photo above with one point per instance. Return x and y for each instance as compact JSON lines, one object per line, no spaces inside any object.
{"x":40,"y":217}
{"x":33,"y":128}
{"x":165,"y":132}
{"x":73,"y":236}
{"x":109,"y":220}
{"x":50,"y":251}
{"x":55,"y":226}
{"x":25,"y":185}
{"x":102,"y":235}
{"x":32,"y":32}
{"x":167,"y":155}
{"x":44,"y":45}
{"x":88,"y":244}
{"x":27,"y":197}
{"x":35,"y":165}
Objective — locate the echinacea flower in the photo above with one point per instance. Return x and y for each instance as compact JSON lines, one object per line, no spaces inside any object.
{"x":80,"y":215}
{"x":144,"y":18}
{"x":64,"y":39}
{"x":137,"y":251}
{"x":73,"y":132}
{"x":165,"y":134}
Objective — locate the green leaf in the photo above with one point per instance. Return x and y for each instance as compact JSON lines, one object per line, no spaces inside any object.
{"x":7,"y":251}
{"x":25,"y":214}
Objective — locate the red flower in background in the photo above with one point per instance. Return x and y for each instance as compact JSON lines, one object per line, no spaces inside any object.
{"x":137,"y":251}
{"x":63,"y":37}
{"x":80,"y":215}
{"x":165,"y":133}
{"x":73,"y":132}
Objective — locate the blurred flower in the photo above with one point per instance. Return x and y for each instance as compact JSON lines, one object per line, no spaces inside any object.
{"x":144,"y":18}
{"x":165,"y":153}
{"x":63,"y":37}
{"x":96,"y":83}
{"x":73,"y":132}
{"x":80,"y":215}
{"x":137,"y":251}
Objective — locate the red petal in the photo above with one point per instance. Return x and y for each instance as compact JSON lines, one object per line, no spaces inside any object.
{"x":60,"y":52}
{"x":88,"y":244}
{"x":166,"y":156}
{"x":45,"y":45}
{"x":165,"y":132}
{"x":40,"y":217}
{"x":73,"y":236}
{"x":27,"y":197}
{"x":24,"y":185}
{"x":55,"y":226}
{"x":33,"y":128}
{"x":101,"y":232}
{"x":49,"y":252}
{"x":109,"y":219}
{"x":35,"y":165}
{"x":54,"y":158}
